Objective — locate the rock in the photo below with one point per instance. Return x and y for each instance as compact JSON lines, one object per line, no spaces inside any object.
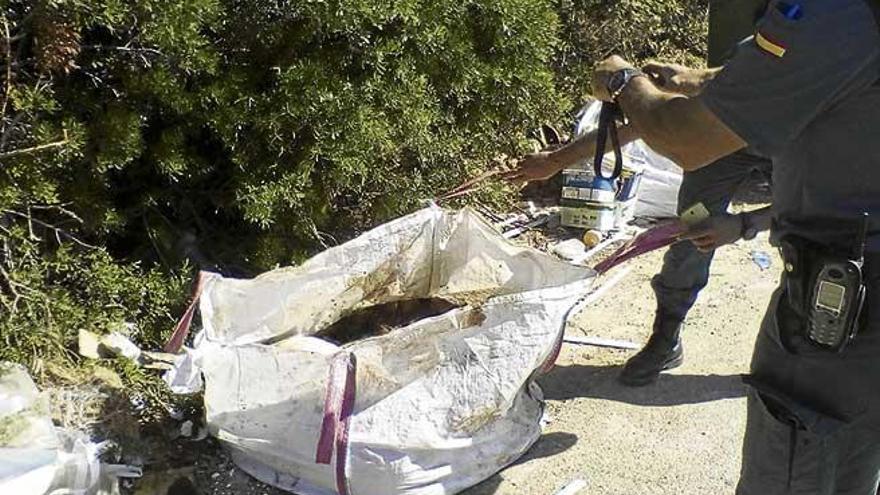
{"x":569,"y":249}
{"x":107,"y":377}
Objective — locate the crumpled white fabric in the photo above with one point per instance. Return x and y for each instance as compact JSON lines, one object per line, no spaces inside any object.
{"x":440,"y":404}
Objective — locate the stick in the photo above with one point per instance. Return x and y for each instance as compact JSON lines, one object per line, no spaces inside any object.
{"x":8,"y":87}
{"x":468,"y":186}
{"x":510,"y":221}
{"x":601,"y":342}
{"x":519,"y":230}
{"x":34,"y":149}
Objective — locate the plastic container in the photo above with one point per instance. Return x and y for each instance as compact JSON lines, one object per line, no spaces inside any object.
{"x":587,"y":202}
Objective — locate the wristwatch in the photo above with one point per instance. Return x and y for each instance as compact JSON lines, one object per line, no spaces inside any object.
{"x":748,"y":230}
{"x":618,"y":81}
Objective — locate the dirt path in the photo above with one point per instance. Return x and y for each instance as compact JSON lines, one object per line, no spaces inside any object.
{"x":680,"y":436}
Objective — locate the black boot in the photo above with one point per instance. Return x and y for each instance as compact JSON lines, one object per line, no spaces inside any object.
{"x":662,"y":352}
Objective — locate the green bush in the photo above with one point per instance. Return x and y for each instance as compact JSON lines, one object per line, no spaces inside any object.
{"x":143,"y":139}
{"x":140,"y":136}
{"x":673,"y":30}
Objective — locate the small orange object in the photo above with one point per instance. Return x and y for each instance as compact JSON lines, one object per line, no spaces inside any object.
{"x":592,"y":238}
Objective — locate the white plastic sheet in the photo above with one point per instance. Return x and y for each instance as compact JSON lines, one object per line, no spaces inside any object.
{"x":35,"y":457}
{"x":430,"y":408}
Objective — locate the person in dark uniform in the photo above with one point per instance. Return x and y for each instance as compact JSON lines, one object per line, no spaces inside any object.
{"x":685,"y":270}
{"x":803,"y":91}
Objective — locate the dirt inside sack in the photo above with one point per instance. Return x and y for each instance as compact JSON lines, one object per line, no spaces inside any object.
{"x":383,"y":318}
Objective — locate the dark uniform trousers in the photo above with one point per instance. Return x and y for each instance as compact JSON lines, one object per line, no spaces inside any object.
{"x":685,"y":270}
{"x":822,"y":435}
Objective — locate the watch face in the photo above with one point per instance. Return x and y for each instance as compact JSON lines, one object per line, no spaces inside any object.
{"x":618,"y":79}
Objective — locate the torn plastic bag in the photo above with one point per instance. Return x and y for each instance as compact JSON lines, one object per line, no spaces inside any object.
{"x":28,"y":443}
{"x":35,"y":457}
{"x":432,"y":407}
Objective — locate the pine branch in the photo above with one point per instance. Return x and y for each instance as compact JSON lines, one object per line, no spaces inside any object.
{"x":36,"y":149}
{"x":8,"y":87}
{"x":59,"y":232}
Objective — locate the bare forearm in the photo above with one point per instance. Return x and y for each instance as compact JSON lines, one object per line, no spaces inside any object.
{"x":675,"y":78}
{"x":676,"y":126}
{"x":700,"y":78}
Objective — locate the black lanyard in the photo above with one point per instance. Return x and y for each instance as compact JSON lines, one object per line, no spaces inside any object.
{"x":608,"y":126}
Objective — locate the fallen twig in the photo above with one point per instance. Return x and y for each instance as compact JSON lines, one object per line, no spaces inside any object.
{"x":468,"y":186}
{"x":601,"y":342}
{"x":541,"y":220}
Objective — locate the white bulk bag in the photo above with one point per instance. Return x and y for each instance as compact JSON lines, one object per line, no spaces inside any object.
{"x":430,"y":408}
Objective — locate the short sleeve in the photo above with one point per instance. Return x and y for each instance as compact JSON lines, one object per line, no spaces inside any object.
{"x":803,"y":58}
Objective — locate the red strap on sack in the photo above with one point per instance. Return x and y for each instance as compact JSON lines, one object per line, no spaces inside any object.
{"x":181,"y":330}
{"x":652,"y":239}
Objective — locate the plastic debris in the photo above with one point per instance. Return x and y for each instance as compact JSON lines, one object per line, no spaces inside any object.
{"x":762,"y":259}
{"x":186,"y":429}
{"x":570,"y":249}
{"x":573,"y":487}
{"x":37,"y":458}
{"x":113,"y":344}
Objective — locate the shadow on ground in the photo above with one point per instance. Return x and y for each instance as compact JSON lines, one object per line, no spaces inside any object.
{"x":600,"y":382}
{"x":548,"y":445}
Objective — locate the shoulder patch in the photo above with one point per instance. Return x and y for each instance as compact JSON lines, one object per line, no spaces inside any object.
{"x":772,"y":47}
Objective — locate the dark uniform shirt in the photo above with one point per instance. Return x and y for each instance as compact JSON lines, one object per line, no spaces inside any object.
{"x":731,"y":21}
{"x":803,"y":91}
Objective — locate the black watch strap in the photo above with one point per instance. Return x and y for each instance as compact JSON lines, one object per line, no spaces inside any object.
{"x":620,"y":79}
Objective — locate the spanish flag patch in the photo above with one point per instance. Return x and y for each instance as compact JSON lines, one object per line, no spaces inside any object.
{"x":768,"y":46}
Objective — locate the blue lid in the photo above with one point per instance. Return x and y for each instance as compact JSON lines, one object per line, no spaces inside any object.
{"x":603,"y":184}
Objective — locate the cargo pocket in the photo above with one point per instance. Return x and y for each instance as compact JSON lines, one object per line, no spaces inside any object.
{"x":782,"y":327}
{"x":788,"y":448}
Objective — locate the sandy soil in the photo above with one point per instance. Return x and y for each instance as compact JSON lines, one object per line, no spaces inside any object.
{"x":680,"y":436}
